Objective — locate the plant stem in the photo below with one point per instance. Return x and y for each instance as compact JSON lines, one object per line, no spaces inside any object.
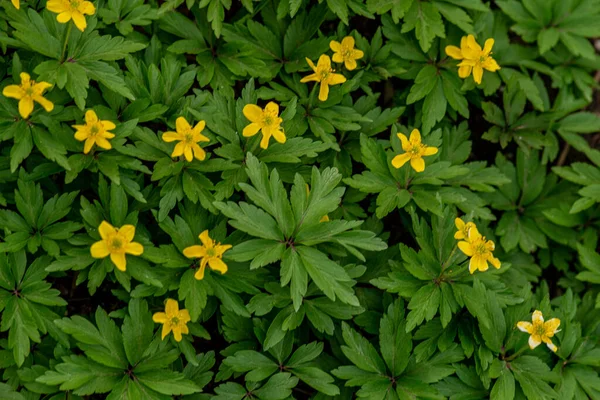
{"x":311,"y":97}
{"x":518,"y":353}
{"x":67,"y":36}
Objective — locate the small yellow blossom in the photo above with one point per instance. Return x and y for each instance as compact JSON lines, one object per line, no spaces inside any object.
{"x":540,"y":331}
{"x":345,"y":52}
{"x":463,"y":229}
{"x":324,"y":74}
{"x":16,"y":3}
{"x":267,"y":121}
{"x":94,"y":131}
{"x":28,"y":92}
{"x":324,"y":218}
{"x":479,"y":249}
{"x":71,"y":10}
{"x":117,"y":242}
{"x":473,"y":57}
{"x":414,"y":151}
{"x":188,"y":139}
{"x":173,"y":319}
{"x":210,"y":253}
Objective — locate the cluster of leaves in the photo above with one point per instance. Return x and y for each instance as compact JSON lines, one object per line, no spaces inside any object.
{"x":375,"y":302}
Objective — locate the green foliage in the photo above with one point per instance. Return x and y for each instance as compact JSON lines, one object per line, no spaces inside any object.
{"x":310,"y":268}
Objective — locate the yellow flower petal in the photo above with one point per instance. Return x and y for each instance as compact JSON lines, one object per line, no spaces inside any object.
{"x":194,"y":251}
{"x":79,"y":20}
{"x":25,"y":106}
{"x":537,"y":317}
{"x":159,"y":317}
{"x":134,"y":248}
{"x":251,"y":129}
{"x":272,"y":107}
{"x":99,"y":249}
{"x":218,"y":265}
{"x":454,"y":52}
{"x":323,"y":91}
{"x":13,"y":91}
{"x":335,"y":46}
{"x":253,"y":112}
{"x":199,"y":275}
{"x":551,"y":326}
{"x":415,"y":137}
{"x":181,"y":125}
{"x":466,"y":248}
{"x":165,"y":330}
{"x":477,"y":74}
{"x":199,"y":153}
{"x":179,"y":149}
{"x":418,"y":164}
{"x":525,"y":326}
{"x":105,"y":230}
{"x":400,"y":160}
{"x":171,"y":308}
{"x":119,"y":260}
{"x":534,"y":341}
{"x":348,"y":42}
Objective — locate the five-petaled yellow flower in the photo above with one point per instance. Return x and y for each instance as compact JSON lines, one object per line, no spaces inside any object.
{"x":210,"y":253}
{"x":94,"y":131}
{"x":116,"y":242}
{"x":267,"y":121}
{"x":473,"y":57}
{"x":173,"y":319}
{"x":323,"y":74}
{"x":414,"y":151}
{"x":28,"y":92}
{"x":71,"y":10}
{"x":540,"y":331}
{"x":479,"y":249}
{"x":16,"y":3}
{"x":463,"y":229}
{"x":345,"y":52}
{"x":188,"y":139}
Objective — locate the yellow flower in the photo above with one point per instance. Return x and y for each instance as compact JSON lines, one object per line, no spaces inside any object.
{"x":71,"y":9}
{"x":188,"y":139}
{"x":474,"y":58}
{"x":16,"y":3}
{"x":173,"y":319}
{"x":117,"y":242}
{"x":463,"y":229}
{"x":94,"y":132}
{"x":28,"y":92}
{"x":210,"y":253}
{"x":323,"y":74}
{"x":539,"y":330}
{"x":479,"y":249}
{"x":266,"y":120}
{"x":345,"y":53}
{"x":414,"y":151}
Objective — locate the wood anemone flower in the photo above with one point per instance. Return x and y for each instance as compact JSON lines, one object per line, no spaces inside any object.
{"x":480,"y":250}
{"x":210,"y":253}
{"x":71,"y":10}
{"x":173,"y":320}
{"x":474,"y":58}
{"x":267,"y":121}
{"x":345,"y":52}
{"x":188,"y":138}
{"x":28,"y":92}
{"x":414,"y":151}
{"x":463,"y":228}
{"x":94,"y":132}
{"x":324,"y":74}
{"x":116,"y":242}
{"x":540,"y":331}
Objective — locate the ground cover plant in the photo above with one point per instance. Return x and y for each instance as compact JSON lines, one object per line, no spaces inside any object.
{"x":299,"y":199}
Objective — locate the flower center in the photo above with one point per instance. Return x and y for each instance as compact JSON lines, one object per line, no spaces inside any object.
{"x":539,"y":329}
{"x":211,"y":252}
{"x":75,"y":4}
{"x":116,"y":244}
{"x":268,"y":120}
{"x":482,"y":59}
{"x":480,"y":247}
{"x":347,"y":54}
{"x":94,"y":130}
{"x":189,"y":137}
{"x":324,"y":74}
{"x":174,"y":321}
{"x":416,"y":150}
